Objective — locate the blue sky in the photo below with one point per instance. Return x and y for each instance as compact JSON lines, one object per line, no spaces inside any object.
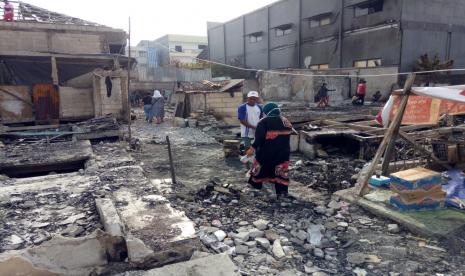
{"x":154,"y":18}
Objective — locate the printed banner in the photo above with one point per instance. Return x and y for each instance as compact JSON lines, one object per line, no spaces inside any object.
{"x":426,"y":106}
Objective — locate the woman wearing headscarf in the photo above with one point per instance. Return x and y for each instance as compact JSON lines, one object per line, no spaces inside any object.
{"x":158,"y":106}
{"x":272,"y":151}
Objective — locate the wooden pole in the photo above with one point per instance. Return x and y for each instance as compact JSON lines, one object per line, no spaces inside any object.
{"x":170,"y":154}
{"x":389,"y":134}
{"x":129,"y":82}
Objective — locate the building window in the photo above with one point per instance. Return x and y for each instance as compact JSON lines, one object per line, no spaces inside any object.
{"x":202,"y":47}
{"x":319,"y":22}
{"x":367,"y":63}
{"x":254,"y":38}
{"x":319,"y":66}
{"x":369,"y":7}
{"x":283,"y":30}
{"x":142,"y":54}
{"x":178,"y":48}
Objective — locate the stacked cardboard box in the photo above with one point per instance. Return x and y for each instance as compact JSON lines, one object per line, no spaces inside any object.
{"x":417,"y":189}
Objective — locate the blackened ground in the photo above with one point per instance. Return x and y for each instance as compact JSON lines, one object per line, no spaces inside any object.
{"x":214,"y":194}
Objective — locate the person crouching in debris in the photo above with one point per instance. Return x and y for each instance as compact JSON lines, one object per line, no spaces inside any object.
{"x":158,"y":106}
{"x":249,"y":114}
{"x":323,"y":95}
{"x":272,"y":151}
{"x":361,"y":91}
{"x":8,"y":11}
{"x":147,"y":100}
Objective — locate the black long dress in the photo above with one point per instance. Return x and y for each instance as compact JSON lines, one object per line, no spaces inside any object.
{"x":272,"y":145}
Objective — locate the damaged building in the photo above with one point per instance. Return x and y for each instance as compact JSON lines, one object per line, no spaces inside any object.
{"x":57,"y":68}
{"x":340,"y":34}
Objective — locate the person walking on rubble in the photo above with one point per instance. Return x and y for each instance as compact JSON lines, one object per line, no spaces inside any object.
{"x":148,"y":107}
{"x":158,"y":106}
{"x":323,"y":95}
{"x":8,"y":11}
{"x":249,"y":114}
{"x":272,"y":151}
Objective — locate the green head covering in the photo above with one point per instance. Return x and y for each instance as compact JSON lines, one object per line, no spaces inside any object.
{"x":271,"y":110}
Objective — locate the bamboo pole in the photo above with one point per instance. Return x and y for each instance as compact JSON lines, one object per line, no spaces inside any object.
{"x":389,"y":136}
{"x":129,"y":82}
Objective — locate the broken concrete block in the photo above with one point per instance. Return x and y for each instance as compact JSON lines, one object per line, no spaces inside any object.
{"x":138,"y":252}
{"x":109,"y":217}
{"x":59,"y":256}
{"x":158,"y":233}
{"x":219,"y":264}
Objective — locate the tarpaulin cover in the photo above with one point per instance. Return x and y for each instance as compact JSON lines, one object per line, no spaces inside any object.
{"x":426,"y":105}
{"x":455,"y":189}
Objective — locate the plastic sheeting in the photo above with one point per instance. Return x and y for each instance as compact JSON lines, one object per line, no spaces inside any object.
{"x":455,"y":189}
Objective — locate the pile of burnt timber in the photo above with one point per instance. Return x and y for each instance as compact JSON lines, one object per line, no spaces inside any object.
{"x":98,"y":128}
{"x":29,"y":159}
{"x":94,"y":129}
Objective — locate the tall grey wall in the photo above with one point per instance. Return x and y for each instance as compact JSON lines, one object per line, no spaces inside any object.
{"x":235,"y":42}
{"x":216,"y":44}
{"x":257,"y":53}
{"x":320,"y":44}
{"x":433,"y":27}
{"x":398,"y":35}
{"x":284,"y":49}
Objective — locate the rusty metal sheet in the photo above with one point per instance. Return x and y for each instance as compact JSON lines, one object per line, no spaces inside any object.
{"x":16,"y":104}
{"x":46,"y":102}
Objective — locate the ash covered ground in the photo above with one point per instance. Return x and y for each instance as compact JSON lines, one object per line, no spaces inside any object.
{"x":321,"y":236}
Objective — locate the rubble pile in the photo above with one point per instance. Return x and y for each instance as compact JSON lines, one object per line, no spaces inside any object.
{"x":268,"y":237}
{"x":97,"y":124}
{"x":334,"y":173}
{"x":32,"y":214}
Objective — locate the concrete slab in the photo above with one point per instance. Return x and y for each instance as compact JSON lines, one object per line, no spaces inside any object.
{"x":36,"y":208}
{"x":212,"y":265}
{"x":444,"y":223}
{"x":157,"y":233}
{"x":59,"y":256}
{"x":109,"y":217}
{"x":36,"y":158}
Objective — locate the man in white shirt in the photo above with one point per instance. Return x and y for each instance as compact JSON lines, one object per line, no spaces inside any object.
{"x":249,"y":114}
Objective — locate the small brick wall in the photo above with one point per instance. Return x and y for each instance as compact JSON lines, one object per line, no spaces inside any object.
{"x":224,"y":104}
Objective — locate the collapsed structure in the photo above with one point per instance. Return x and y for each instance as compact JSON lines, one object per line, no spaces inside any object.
{"x":58,"y":68}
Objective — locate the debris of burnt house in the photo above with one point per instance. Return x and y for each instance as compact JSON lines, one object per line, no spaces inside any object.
{"x":53,"y":68}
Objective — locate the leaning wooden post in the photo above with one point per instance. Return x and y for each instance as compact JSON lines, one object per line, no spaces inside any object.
{"x":392,"y":143}
{"x":389,"y":135}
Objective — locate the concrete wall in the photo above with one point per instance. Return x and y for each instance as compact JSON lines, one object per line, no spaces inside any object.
{"x":117,"y":103}
{"x":383,"y":44}
{"x":257,"y":52}
{"x":433,"y":26}
{"x":282,"y":87}
{"x":216,"y":39}
{"x":37,"y":37}
{"x":235,"y":42}
{"x":170,"y":74}
{"x":222,"y":104}
{"x":76,"y":103}
{"x":284,"y":49}
{"x":391,"y":13}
